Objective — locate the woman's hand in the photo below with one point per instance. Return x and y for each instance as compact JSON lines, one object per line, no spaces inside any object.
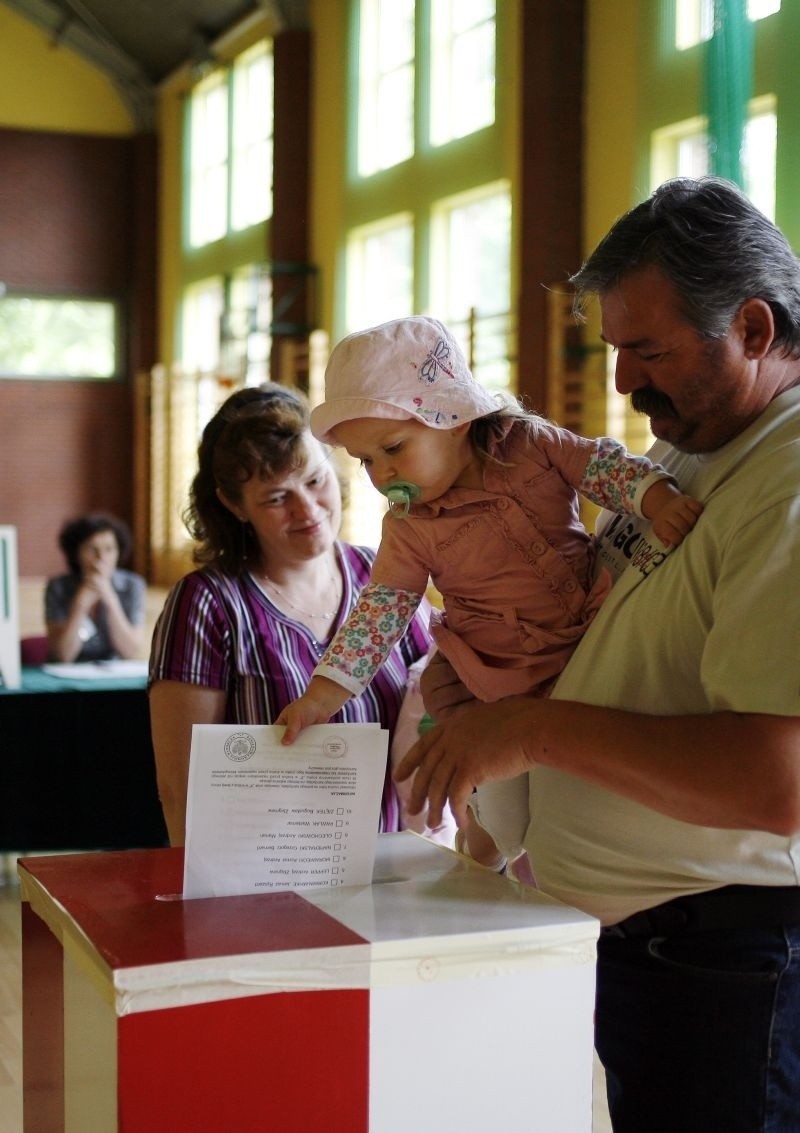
{"x":96,"y":581}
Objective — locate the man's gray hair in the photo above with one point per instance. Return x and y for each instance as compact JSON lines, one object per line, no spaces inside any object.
{"x":715,"y":248}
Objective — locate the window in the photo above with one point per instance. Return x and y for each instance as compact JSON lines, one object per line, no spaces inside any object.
{"x":386,"y":84}
{"x":694,"y":19}
{"x":208,"y":161}
{"x":471,"y":289}
{"x":448,"y":252}
{"x":58,"y":337}
{"x":759,"y":154}
{"x":681,"y":150}
{"x":462,"y":67}
{"x":252,"y":138}
{"x":225,"y":325}
{"x":380,"y":272}
{"x":230,"y":148}
{"x":203,"y":304}
{"x":246,"y":338}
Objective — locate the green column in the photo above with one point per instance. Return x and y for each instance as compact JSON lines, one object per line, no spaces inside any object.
{"x":728,"y":83}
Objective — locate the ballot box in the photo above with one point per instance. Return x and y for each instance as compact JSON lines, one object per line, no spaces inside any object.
{"x":441,"y":997}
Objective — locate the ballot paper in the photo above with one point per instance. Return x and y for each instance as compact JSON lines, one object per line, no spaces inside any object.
{"x":262,"y":817}
{"x":96,"y":670}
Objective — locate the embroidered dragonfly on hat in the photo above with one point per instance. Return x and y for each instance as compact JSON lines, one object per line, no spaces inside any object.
{"x":438,"y":359}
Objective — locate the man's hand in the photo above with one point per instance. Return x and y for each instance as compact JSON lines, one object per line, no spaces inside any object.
{"x":481,"y":743}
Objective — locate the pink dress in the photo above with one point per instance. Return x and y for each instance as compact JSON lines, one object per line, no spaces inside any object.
{"x":514,"y":565}
{"x":512,"y":561}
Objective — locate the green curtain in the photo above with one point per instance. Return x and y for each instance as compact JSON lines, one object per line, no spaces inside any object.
{"x":729,"y":77}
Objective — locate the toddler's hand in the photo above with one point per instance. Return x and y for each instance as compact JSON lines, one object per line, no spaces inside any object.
{"x":322,"y":699}
{"x":676,"y":519}
{"x":299,"y":714}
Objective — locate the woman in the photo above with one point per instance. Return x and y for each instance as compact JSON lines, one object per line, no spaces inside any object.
{"x":96,"y":612}
{"x":238,"y":639}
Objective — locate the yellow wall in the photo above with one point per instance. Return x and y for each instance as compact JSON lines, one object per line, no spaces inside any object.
{"x":611,"y":103}
{"x":328,"y":19}
{"x":45,"y":87}
{"x":169,"y":125}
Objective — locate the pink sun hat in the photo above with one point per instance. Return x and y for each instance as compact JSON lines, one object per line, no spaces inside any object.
{"x":409,"y":367}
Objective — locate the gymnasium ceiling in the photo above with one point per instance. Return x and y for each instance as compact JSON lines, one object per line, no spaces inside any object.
{"x":138,"y":43}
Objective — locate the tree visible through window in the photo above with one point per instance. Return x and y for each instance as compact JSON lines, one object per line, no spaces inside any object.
{"x":47,"y":337}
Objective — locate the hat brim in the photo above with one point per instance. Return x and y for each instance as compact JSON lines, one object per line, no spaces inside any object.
{"x":329,"y":414}
{"x":325,"y":417}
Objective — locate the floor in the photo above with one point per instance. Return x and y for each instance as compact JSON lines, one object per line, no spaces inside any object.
{"x":10,"y":1011}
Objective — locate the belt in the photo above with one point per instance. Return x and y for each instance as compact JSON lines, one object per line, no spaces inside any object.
{"x":731,"y":907}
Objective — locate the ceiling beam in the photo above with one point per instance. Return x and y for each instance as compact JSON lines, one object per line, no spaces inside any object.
{"x":97,"y":48}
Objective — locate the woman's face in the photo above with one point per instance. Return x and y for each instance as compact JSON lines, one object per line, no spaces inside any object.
{"x":99,"y":554}
{"x":296,"y":515}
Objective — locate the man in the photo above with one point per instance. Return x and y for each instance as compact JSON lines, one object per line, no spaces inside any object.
{"x":665,"y":768}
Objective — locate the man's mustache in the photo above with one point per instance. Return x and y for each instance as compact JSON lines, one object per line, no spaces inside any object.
{"x":652,"y":403}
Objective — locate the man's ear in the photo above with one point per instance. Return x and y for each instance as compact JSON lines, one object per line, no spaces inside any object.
{"x":756,"y":323}
{"x":232,"y":507}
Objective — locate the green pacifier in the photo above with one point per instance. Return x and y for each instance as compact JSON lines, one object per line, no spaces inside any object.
{"x":400,"y":494}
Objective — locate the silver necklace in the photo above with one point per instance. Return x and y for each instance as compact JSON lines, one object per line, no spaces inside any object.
{"x":298,"y":609}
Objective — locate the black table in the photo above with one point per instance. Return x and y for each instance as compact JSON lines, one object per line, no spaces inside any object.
{"x":76,"y":766}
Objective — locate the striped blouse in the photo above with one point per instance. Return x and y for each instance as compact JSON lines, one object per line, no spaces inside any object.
{"x":225,"y":633}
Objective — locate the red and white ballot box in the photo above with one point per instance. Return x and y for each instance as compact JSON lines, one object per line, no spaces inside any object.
{"x":441,"y":997}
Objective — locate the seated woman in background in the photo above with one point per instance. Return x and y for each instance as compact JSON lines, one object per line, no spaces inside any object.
{"x":238,"y":639}
{"x":96,"y":612}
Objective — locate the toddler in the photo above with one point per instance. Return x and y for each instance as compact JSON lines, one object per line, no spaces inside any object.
{"x":483,"y":499}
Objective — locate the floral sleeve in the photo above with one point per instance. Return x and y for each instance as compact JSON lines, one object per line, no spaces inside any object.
{"x":378,"y":621}
{"x":616,"y":480}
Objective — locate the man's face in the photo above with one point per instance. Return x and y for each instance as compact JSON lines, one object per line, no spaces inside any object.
{"x":698,"y":393}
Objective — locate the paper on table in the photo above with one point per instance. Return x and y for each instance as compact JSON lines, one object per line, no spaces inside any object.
{"x":96,"y":670}
{"x":262,"y":817}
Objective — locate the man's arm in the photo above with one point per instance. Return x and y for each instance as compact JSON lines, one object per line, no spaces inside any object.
{"x":725,"y":769}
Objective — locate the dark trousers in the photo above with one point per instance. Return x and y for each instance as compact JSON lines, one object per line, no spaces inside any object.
{"x":700,"y":1032}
